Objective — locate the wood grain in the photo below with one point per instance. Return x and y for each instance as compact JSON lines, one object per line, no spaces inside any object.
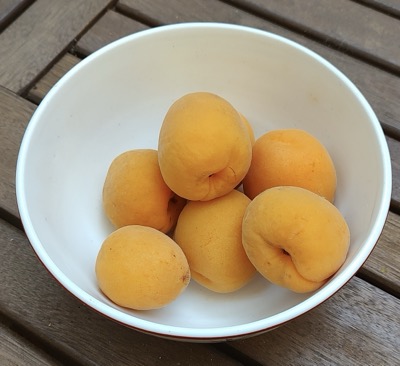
{"x":57,"y":71}
{"x":379,"y":269}
{"x":381,"y":89}
{"x":30,"y":294}
{"x":359,"y":325}
{"x":9,"y":10}
{"x":16,"y":350}
{"x":48,"y":27}
{"x":15,"y":113}
{"x":372,"y":38}
{"x":109,"y":28}
{"x":391,"y":7}
{"x":394,"y":149}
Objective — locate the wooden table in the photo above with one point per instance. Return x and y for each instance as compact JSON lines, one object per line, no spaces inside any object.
{"x":42,"y":324}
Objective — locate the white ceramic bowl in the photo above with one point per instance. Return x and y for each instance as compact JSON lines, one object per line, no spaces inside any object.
{"x":116,"y":99}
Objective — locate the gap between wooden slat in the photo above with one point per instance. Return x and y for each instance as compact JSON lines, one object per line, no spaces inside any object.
{"x":388,"y":7}
{"x":10,"y":10}
{"x":46,"y":350}
{"x":323,"y":38}
{"x":65,"y":20}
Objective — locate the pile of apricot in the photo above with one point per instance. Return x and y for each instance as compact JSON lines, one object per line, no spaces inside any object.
{"x":214,"y":204}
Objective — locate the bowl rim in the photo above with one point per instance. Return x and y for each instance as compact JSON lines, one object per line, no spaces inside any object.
{"x":207,"y":333}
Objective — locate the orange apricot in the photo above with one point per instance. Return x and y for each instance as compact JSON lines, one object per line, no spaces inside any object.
{"x":290,"y":157}
{"x":204,"y":147}
{"x":210,"y":235}
{"x":134,"y":192}
{"x":295,"y":238}
{"x":141,"y":268}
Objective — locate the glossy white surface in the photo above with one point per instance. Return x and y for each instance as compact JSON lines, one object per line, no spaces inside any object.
{"x":116,"y":99}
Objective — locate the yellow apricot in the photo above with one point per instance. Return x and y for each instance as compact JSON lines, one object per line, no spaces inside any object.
{"x":249,"y":129}
{"x":290,"y":157}
{"x":204,"y":147}
{"x":141,"y":268}
{"x":210,"y":235}
{"x":294,"y":237}
{"x":134,"y":192}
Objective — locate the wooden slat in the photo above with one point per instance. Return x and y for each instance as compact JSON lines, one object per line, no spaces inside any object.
{"x":360,"y":325}
{"x":15,"y":113}
{"x":380,"y":88}
{"x":394,"y":149}
{"x":58,"y":70}
{"x":29,"y":294}
{"x":110,"y":27}
{"x":389,"y":6}
{"x":157,"y":12}
{"x":9,"y":9}
{"x":373,"y":37}
{"x":16,"y":350}
{"x":378,"y":268}
{"x":49,"y":26}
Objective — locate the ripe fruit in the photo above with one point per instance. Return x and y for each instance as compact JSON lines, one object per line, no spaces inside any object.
{"x":295,"y":238}
{"x":249,"y":129}
{"x":135,"y":193}
{"x":204,"y":147}
{"x":290,"y":157}
{"x":141,"y":268}
{"x":210,"y":235}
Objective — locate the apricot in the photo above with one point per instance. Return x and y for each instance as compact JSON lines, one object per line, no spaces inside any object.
{"x":295,"y":238}
{"x":210,"y":235}
{"x":134,"y":192}
{"x":290,"y":157}
{"x":249,"y":129}
{"x":141,"y":268}
{"x":204,"y":147}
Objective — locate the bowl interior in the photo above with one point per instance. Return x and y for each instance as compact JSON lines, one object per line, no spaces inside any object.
{"x":115,"y":100}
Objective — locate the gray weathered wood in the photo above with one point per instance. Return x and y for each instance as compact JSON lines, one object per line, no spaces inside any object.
{"x":373,"y":37}
{"x":394,"y":149}
{"x":63,"y":20}
{"x":360,"y":325}
{"x":9,"y":9}
{"x":57,"y":71}
{"x":16,"y":350}
{"x":383,"y":265}
{"x":389,"y":6}
{"x":15,"y":113}
{"x":110,"y":27}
